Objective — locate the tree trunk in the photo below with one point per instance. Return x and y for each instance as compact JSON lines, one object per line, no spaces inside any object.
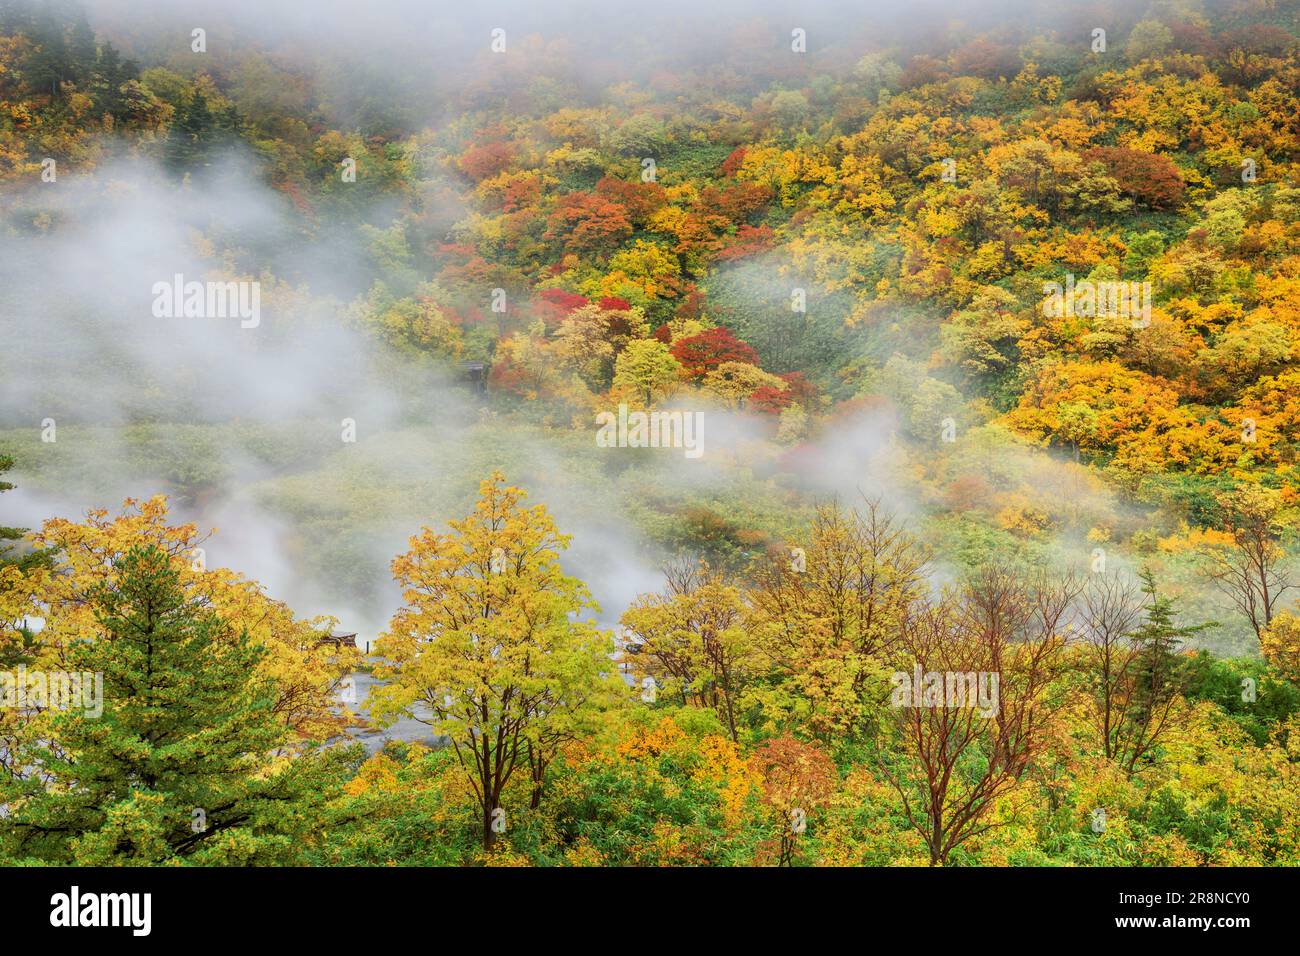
{"x":539,"y":774}
{"x":489,"y":837}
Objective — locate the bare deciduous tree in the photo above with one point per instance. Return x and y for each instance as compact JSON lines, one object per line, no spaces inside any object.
{"x":1110,"y":607}
{"x":1132,"y":664}
{"x":1253,"y":574}
{"x":958,"y":760}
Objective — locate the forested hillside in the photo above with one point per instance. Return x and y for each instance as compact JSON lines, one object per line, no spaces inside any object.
{"x":989,"y":326}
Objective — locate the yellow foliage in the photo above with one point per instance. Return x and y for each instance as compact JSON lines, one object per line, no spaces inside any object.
{"x":1280,"y":643}
{"x":306,"y":672}
{"x":378,"y":773}
{"x":1194,"y":539}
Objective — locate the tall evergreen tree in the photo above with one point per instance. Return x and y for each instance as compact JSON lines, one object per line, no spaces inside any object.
{"x":7,"y":534}
{"x":49,"y":64}
{"x":1159,"y":672}
{"x":83,"y":51}
{"x":111,"y":72}
{"x":181,"y":761}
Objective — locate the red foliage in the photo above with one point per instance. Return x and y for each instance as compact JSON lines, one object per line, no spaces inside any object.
{"x":618,"y":316}
{"x":563,"y":298}
{"x":1149,"y":178}
{"x":735,"y":202}
{"x":487,"y":160}
{"x":1192,"y":39}
{"x":748,"y":241}
{"x":619,"y":325}
{"x":294,"y":192}
{"x":663,"y":334}
{"x":804,"y":459}
{"x":1258,"y":38}
{"x":967,"y":492}
{"x":701,"y":354}
{"x":639,"y":199}
{"x":521,"y":193}
{"x":477,"y":271}
{"x":922,"y":70}
{"x":733,"y":161}
{"x":799,"y":388}
{"x":853,"y":408}
{"x":463,"y":250}
{"x":691,"y":305}
{"x":769,"y":400}
{"x":506,"y":376}
{"x":588,"y":223}
{"x":982,"y":57}
{"x":465,"y":315}
{"x":554,"y":304}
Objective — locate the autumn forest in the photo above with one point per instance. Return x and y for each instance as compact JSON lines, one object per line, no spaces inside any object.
{"x":846,"y":436}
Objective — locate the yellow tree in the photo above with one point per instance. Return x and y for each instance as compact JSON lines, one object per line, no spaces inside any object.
{"x":645,"y":370}
{"x":737,"y":381}
{"x":1280,"y":643}
{"x":306,"y":672}
{"x":827,"y":616}
{"x":691,"y":639}
{"x":488,"y":645}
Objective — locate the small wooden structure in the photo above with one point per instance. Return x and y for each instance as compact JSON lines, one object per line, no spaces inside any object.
{"x":340,"y":639}
{"x":476,"y":373}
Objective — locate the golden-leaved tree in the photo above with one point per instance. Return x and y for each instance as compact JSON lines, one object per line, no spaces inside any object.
{"x":827,"y":618}
{"x":488,"y":649}
{"x":691,"y":639}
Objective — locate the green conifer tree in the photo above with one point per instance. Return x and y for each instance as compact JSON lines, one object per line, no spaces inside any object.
{"x":181,"y":761}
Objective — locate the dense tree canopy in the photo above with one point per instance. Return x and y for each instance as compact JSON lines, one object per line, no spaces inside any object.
{"x":1040,"y":298}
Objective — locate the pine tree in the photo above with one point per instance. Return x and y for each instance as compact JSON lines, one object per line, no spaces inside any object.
{"x":15,"y":17}
{"x":179,"y":763}
{"x":189,"y":138}
{"x":83,"y":52}
{"x":1158,"y":673}
{"x":50,"y":64}
{"x":111,"y":72}
{"x":7,"y":534}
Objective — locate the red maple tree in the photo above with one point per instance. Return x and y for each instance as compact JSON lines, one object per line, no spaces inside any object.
{"x":701,"y":354}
